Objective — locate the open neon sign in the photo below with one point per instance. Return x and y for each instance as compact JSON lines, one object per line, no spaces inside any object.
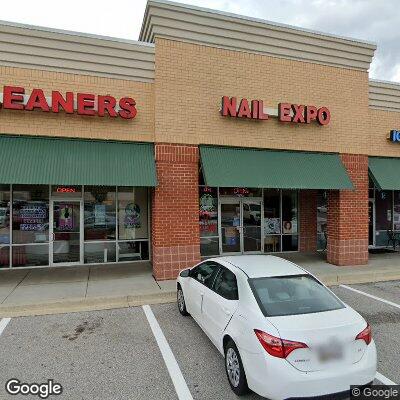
{"x":63,"y":189}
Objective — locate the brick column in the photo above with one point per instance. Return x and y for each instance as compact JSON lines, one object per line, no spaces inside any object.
{"x":348,"y":216}
{"x":175,"y":210}
{"x":308,"y":220}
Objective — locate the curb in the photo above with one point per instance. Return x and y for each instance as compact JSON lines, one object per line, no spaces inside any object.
{"x":81,"y":305}
{"x":108,"y":303}
{"x":360,"y":277}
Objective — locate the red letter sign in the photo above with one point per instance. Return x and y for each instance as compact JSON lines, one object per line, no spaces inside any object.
{"x":284,"y":112}
{"x":11,"y":96}
{"x":37,"y":100}
{"x":228,"y":106}
{"x":128,"y":108}
{"x":57,"y":101}
{"x":86,"y":104}
{"x":106,"y":103}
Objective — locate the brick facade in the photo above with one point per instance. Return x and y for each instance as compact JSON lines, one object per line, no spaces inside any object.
{"x":175,"y":214}
{"x":348,"y":216}
{"x":308,"y":220}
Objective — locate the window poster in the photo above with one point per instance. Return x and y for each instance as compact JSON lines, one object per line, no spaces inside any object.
{"x":208,"y":211}
{"x":132,"y":216}
{"x":290,"y":226}
{"x":33,"y":217}
{"x":99,"y":215}
{"x":272,"y":226}
{"x":66,"y":217}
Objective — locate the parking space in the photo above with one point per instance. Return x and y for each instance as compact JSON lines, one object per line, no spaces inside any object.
{"x":384,"y":320}
{"x":115,"y":354}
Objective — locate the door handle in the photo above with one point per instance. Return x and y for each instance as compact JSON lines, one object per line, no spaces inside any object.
{"x":226,"y":311}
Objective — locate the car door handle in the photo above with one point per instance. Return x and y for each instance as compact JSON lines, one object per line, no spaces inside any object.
{"x":226,"y":311}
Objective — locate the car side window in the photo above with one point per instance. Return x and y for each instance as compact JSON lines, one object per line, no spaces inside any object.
{"x":205,"y":273}
{"x":226,"y":285}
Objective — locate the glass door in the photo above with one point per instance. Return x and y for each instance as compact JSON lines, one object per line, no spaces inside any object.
{"x":66,"y":243}
{"x":240,"y":226}
{"x":251,"y":232}
{"x":231,"y":227}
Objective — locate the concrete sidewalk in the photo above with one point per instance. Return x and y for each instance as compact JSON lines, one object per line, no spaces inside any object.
{"x":84,"y":288}
{"x":68,"y":289}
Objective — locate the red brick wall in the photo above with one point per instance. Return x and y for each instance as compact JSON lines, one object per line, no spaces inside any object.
{"x":308,"y":220}
{"x":348,"y":216}
{"x":175,"y":211}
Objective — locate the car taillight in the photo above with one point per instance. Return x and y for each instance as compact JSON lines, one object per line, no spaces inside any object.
{"x":277,"y":347}
{"x":365,"y":335}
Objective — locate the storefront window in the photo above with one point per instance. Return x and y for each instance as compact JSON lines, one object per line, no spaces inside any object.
{"x":396,"y":210}
{"x":132,"y":213}
{"x":321,"y":220}
{"x":99,"y":216}
{"x":289,"y":220}
{"x":133,"y":251}
{"x":100,"y":252}
{"x":30,"y":255}
{"x":4,"y":215}
{"x":208,"y":221}
{"x":4,"y":256}
{"x":272,"y":220}
{"x":383,"y":216}
{"x":30,"y":214}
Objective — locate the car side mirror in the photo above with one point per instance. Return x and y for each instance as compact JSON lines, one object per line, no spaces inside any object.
{"x":185,"y":273}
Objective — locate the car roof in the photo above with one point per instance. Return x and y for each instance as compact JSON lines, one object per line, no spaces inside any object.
{"x":258,"y":266}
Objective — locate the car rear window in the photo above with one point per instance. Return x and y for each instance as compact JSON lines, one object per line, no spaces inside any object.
{"x":292,"y":295}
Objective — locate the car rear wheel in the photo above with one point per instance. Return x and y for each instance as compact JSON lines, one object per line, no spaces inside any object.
{"x":234,"y":369}
{"x":181,"y":301}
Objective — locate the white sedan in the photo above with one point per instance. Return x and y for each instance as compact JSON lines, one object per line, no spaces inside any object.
{"x":282,"y":332}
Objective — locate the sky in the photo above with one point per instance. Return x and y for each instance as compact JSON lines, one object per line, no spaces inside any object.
{"x":377,"y":21}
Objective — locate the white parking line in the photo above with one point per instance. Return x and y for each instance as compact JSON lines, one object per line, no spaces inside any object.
{"x":381,"y":378}
{"x":384,"y":380}
{"x":178,"y":380}
{"x":371,"y":296}
{"x":3,"y":323}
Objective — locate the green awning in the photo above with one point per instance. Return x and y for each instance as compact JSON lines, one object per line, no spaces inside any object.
{"x":385,"y":172}
{"x":238,"y":167}
{"x":38,"y":160}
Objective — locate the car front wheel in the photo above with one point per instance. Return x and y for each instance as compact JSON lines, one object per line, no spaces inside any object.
{"x":234,"y":369}
{"x":181,"y":301}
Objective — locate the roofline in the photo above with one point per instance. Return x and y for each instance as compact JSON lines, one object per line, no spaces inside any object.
{"x":75,"y":33}
{"x":379,"y":81}
{"x":253,"y":19}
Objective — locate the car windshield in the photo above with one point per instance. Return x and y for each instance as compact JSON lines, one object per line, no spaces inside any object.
{"x":292,"y":295}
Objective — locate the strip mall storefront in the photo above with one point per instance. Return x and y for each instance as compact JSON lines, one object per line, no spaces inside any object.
{"x":214,"y":134}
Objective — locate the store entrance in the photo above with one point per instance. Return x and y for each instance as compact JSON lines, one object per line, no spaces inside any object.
{"x":65,"y":232}
{"x":240,"y":225}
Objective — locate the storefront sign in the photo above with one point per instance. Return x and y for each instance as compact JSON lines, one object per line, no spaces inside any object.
{"x":14,"y":98}
{"x":394,"y":136}
{"x":63,"y":189}
{"x":287,"y":112}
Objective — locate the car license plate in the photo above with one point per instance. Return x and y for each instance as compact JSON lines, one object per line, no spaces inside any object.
{"x":332,"y":352}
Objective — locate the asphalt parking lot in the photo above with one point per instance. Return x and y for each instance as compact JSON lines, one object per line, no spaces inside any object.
{"x":114,"y":354}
